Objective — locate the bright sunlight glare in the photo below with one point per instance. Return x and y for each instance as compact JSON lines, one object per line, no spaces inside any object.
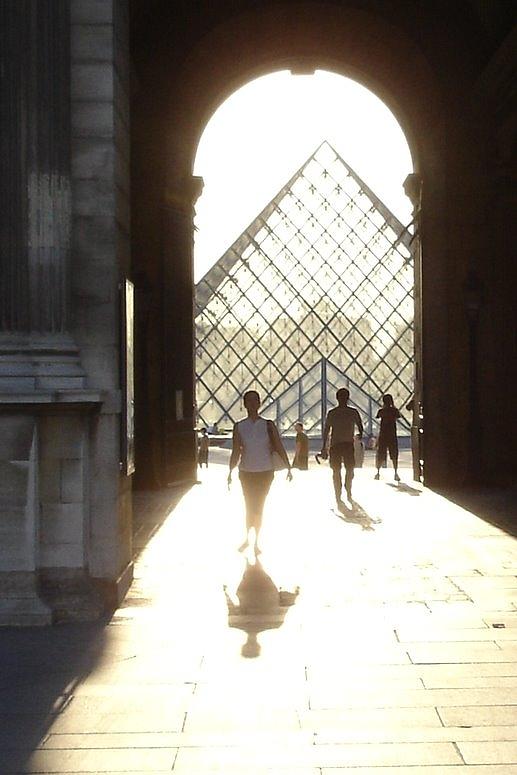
{"x":265,"y":131}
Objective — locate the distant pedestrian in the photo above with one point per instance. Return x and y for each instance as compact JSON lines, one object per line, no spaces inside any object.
{"x":358,"y":450}
{"x":255,"y":439}
{"x":301,"y":452}
{"x":371,"y":441}
{"x":387,"y":442}
{"x":340,"y":426}
{"x":203,"y":445}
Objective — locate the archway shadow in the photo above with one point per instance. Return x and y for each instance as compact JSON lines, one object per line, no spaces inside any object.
{"x":497,"y":507}
{"x":257,"y":605}
{"x":357,"y":515}
{"x":151,"y":508}
{"x":40,"y":669}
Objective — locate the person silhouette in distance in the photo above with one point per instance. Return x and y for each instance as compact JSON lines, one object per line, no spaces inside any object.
{"x":387,"y":442}
{"x":339,"y":428}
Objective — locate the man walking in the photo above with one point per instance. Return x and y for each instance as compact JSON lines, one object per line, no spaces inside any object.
{"x":340,"y":426}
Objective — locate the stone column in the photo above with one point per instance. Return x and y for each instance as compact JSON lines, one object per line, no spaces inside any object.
{"x":36,"y":352}
{"x":178,"y":377}
{"x":413,"y":190}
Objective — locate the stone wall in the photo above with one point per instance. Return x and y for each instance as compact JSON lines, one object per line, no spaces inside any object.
{"x":65,"y":505}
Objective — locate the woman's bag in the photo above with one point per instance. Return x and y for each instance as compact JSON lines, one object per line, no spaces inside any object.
{"x":278,"y":462}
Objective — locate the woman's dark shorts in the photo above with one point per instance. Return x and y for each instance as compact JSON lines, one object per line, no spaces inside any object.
{"x":255,"y":487}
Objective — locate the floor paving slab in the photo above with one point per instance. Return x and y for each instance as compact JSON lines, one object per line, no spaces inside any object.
{"x":338,"y":755}
{"x":95,"y":761}
{"x":183,"y":768}
{"x":415,"y":734}
{"x":472,"y":682}
{"x":441,"y":635}
{"x":369,"y":718}
{"x":483,"y":669}
{"x":329,"y":698}
{"x":459,"y":769}
{"x":231,"y":738}
{"x":112,"y":723}
{"x":489,"y":752}
{"x":479,"y":715}
{"x":467,"y":652}
{"x":242,"y":719}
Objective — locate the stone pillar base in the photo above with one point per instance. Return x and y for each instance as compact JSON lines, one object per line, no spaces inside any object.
{"x":20,"y":605}
{"x":113,"y":591}
{"x":74,"y":596}
{"x":71,"y":595}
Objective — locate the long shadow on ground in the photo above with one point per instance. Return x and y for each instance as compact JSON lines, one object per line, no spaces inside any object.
{"x":39,"y":669}
{"x":405,"y":488}
{"x":357,"y":516}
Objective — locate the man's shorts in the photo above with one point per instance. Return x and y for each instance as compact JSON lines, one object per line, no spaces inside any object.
{"x":342,"y":453}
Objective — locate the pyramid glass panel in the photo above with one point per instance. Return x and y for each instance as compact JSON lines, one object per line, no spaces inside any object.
{"x":316,"y":294}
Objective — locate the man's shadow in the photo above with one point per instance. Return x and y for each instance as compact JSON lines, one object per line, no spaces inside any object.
{"x":356,"y":515}
{"x":406,"y":488}
{"x":257,"y":605}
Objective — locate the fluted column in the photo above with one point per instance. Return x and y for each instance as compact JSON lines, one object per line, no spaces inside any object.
{"x":35,"y":197}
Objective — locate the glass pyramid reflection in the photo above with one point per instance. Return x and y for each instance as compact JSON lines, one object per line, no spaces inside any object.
{"x":324,"y":273}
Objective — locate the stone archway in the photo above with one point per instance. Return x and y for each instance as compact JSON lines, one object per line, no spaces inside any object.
{"x":385,"y":59}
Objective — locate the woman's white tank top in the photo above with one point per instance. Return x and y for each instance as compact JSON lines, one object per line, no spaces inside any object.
{"x":256,"y":447}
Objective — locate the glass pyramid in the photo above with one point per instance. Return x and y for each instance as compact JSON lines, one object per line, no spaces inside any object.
{"x":321,"y":282}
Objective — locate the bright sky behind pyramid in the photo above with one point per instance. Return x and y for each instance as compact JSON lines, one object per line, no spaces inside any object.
{"x":266,"y":130}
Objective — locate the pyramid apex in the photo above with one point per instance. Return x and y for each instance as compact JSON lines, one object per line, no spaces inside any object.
{"x":325,"y":144}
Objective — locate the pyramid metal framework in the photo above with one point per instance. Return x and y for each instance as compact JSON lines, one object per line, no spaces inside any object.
{"x":324,"y":272}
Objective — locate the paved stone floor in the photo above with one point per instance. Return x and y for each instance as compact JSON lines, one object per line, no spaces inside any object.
{"x":378,"y":642}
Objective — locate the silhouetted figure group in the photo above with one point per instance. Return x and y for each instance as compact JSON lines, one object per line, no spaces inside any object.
{"x":258,"y":450}
{"x":343,"y":446}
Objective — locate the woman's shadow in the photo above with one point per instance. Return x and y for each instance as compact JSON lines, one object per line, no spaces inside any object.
{"x":356,"y":515}
{"x":257,"y":605}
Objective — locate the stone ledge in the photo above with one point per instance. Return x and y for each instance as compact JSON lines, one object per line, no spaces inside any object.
{"x":80,"y":396}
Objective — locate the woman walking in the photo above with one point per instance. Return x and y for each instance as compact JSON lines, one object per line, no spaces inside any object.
{"x":255,"y":439}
